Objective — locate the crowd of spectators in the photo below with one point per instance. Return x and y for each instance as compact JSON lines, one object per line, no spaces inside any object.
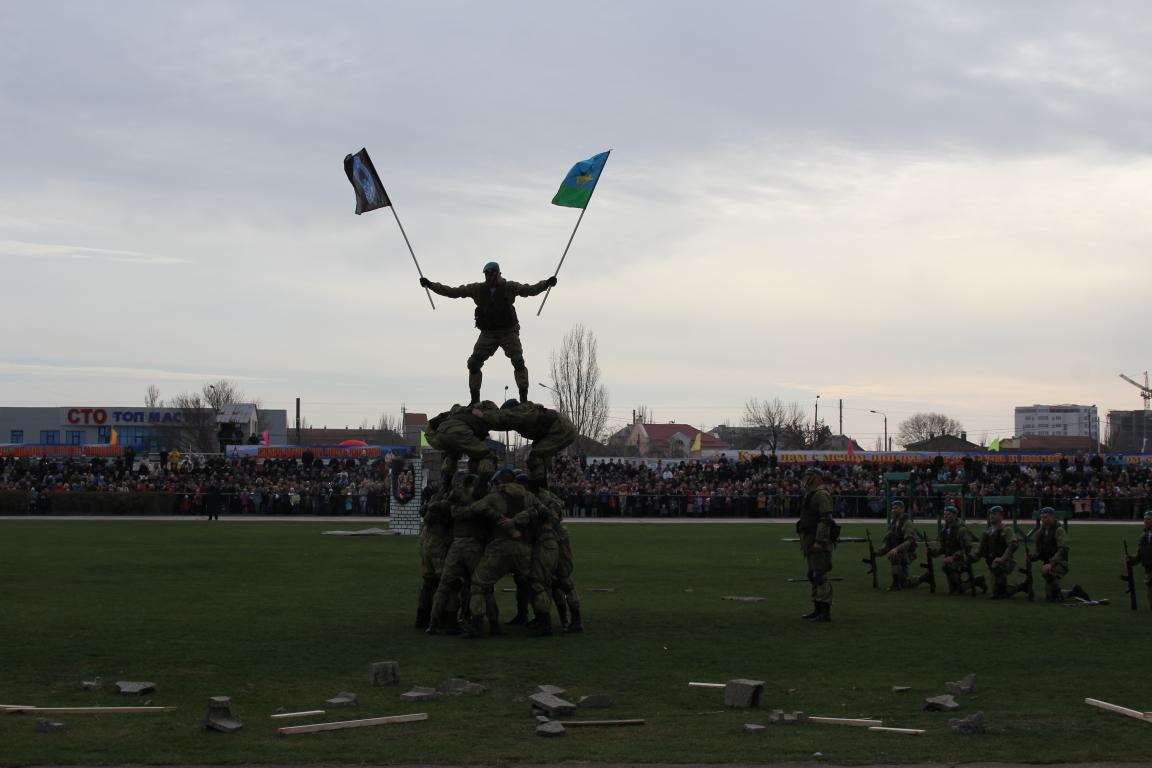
{"x":718,"y":487}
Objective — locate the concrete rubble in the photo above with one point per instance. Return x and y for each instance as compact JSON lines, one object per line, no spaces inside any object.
{"x":220,"y":716}
{"x":92,"y":685}
{"x":754,"y":728}
{"x":384,"y":673}
{"x":963,"y":686}
{"x":594,"y":701}
{"x":550,"y":728}
{"x":743,"y":693}
{"x":967,"y":726}
{"x":342,"y":699}
{"x":901,"y":688}
{"x":129,"y":688}
{"x":551,"y":705}
{"x":555,"y":690}
{"x":944,"y":703}
{"x":421,"y":693}
{"x":780,"y":717}
{"x":455,"y":686}
{"x":49,"y":726}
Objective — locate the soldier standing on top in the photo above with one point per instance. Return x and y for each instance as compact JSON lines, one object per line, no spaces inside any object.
{"x":496,"y":319}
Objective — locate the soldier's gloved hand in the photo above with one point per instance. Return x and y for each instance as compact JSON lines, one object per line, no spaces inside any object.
{"x":551,"y":281}
{"x":522,"y":518}
{"x":425,"y":282}
{"x":507,"y":523}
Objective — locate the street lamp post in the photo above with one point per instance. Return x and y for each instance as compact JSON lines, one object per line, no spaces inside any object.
{"x":881,"y":413}
{"x":816,"y":422}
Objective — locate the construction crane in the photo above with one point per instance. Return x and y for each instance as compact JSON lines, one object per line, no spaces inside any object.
{"x":1145,"y":392}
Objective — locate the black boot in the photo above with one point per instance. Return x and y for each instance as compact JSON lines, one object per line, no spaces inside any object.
{"x":562,"y":610}
{"x":523,"y":394}
{"x":542,"y":626}
{"x":823,"y":613}
{"x":423,"y":617}
{"x":812,"y":613}
{"x":982,"y":583}
{"x":474,"y":629}
{"x":1078,"y":592}
{"x":575,"y":626}
{"x":895,"y":586}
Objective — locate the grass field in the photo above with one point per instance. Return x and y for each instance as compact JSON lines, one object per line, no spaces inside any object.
{"x":276,"y":615}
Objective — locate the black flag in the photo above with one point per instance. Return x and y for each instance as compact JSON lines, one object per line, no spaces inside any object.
{"x":370,"y":193}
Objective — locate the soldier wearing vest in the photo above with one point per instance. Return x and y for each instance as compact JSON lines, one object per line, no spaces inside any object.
{"x":549,"y":431}
{"x":1143,"y":555}
{"x":471,"y":532}
{"x":815,"y":530}
{"x":1051,"y":549}
{"x":509,"y":551}
{"x":899,"y":546}
{"x":496,"y":320}
{"x":435,"y":539}
{"x":997,"y":546}
{"x":457,"y":432}
{"x":954,"y":546}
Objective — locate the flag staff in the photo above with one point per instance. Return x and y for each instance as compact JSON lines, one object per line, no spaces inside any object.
{"x":571,"y":238}
{"x":405,"y":234}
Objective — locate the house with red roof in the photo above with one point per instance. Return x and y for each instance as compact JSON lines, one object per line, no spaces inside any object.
{"x":671,"y":440}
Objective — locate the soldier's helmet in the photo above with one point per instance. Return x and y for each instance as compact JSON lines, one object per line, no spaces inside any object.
{"x":951,"y":510}
{"x":521,"y":477}
{"x":1148,"y":514}
{"x":1047,"y":511}
{"x":897,"y":504}
{"x":510,"y":403}
{"x":491,"y":267}
{"x":814,"y":471}
{"x":503,"y":472}
{"x":486,"y":405}
{"x":996,"y":510}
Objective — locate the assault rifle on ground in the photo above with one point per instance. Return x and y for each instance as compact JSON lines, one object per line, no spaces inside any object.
{"x":870,"y":561}
{"x":928,"y":564}
{"x":1128,"y":577}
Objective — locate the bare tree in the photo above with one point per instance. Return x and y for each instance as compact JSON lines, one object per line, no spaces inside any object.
{"x":922,"y":426}
{"x":390,"y":422}
{"x":643,"y":414}
{"x":152,"y":398}
{"x":199,"y":410}
{"x":576,"y":388}
{"x":781,"y":424}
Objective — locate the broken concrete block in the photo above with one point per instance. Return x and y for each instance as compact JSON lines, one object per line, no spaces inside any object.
{"x":743,"y":693}
{"x":595,"y":701}
{"x":780,"y":717}
{"x":541,"y":719}
{"x":421,"y":693}
{"x":552,"y":705}
{"x":963,"y":686}
{"x":342,"y":699}
{"x":92,"y":685}
{"x":384,"y":673}
{"x":944,"y":703}
{"x":901,"y":688}
{"x":455,"y":686}
{"x":967,"y":726}
{"x":129,"y":688}
{"x":555,"y":690}
{"x":550,"y":728}
{"x":220,"y":716}
{"x":754,"y":728}
{"x":49,"y":726}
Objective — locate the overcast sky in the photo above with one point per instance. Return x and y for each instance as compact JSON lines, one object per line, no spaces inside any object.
{"x":904,"y":204}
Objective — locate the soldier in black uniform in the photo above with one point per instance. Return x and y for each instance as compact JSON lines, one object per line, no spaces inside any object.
{"x":496,"y":319}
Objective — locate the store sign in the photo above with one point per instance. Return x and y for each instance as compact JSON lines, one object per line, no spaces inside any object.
{"x":120,"y":416}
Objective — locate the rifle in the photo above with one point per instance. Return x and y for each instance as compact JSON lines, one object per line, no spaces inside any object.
{"x":1128,"y":577}
{"x":870,"y":561}
{"x":928,"y":564}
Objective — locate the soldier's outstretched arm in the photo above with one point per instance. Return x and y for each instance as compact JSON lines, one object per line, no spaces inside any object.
{"x":458,"y":292}
{"x":531,"y":289}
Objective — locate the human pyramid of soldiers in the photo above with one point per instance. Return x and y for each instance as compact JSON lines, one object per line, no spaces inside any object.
{"x":491,"y":522}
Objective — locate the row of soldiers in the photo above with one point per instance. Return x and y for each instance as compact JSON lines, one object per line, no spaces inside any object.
{"x":998,"y":546}
{"x":494,"y":523}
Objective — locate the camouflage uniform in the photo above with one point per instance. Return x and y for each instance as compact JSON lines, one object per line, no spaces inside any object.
{"x":498,"y":325}
{"x":1143,"y":555}
{"x":509,"y":551}
{"x":901,"y":537}
{"x":455,"y":433}
{"x":997,"y":546}
{"x":955,"y":545}
{"x":435,"y":539}
{"x":564,"y":594}
{"x":549,"y":431}
{"x":470,"y":533}
{"x":1052,"y":551}
{"x":815,"y":530}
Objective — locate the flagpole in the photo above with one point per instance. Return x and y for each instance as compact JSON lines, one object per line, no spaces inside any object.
{"x":571,"y":238}
{"x":418,"y":270}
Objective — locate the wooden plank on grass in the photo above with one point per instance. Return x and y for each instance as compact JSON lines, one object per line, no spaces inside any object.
{"x":906,"y":731}
{"x":844,"y":721}
{"x":308,"y":713}
{"x":89,"y":710}
{"x":1145,"y":716}
{"x":584,"y":723}
{"x":707,"y":685}
{"x":342,"y":724}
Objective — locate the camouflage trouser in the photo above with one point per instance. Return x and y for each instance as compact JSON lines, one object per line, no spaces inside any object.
{"x":563,"y":588}
{"x":1147,"y":587}
{"x":1000,"y":572}
{"x":1052,"y":580}
{"x":957,"y":575}
{"x":545,"y":556}
{"x":455,"y":439}
{"x":486,"y":346}
{"x":819,"y":566}
{"x":459,"y":563}
{"x":433,"y":550}
{"x":560,"y":436}
{"x":501,"y":557}
{"x":899,"y":566}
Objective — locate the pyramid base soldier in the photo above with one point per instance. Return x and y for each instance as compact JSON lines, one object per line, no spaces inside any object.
{"x":435,"y":539}
{"x":469,"y":536}
{"x":550,"y":432}
{"x":456,"y":433}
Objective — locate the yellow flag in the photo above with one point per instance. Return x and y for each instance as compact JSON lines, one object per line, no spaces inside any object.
{"x":696,"y":443}
{"x":424,"y":440}
{"x":112,"y":438}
